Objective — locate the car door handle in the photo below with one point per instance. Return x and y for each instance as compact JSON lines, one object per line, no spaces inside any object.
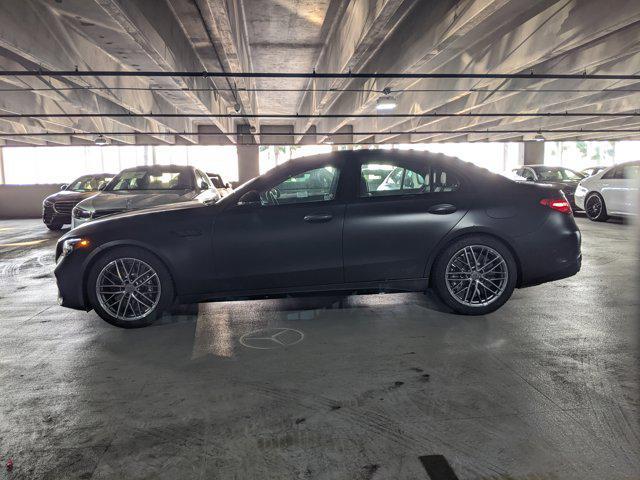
{"x":443,"y":209}
{"x":318,"y":217}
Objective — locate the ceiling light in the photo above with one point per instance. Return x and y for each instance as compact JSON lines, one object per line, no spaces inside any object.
{"x":386,"y":102}
{"x":101,"y":140}
{"x":539,"y":137}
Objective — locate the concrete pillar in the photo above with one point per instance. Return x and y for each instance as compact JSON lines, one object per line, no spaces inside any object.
{"x":248,"y":162}
{"x":533,"y":153}
{"x":1,"y":168}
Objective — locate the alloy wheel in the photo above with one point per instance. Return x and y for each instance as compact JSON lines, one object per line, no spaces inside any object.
{"x":128,"y":289}
{"x":594,"y":206}
{"x":476,"y":275}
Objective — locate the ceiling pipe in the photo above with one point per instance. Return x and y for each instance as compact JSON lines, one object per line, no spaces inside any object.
{"x":317,"y":115}
{"x":349,"y":75}
{"x":334,"y":134}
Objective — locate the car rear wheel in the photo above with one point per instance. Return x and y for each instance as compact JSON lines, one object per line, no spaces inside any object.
{"x":129,"y":287}
{"x":475,"y":275}
{"x":595,"y":207}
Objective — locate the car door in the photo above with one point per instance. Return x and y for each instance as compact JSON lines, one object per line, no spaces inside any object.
{"x":612,"y":189}
{"x":629,"y":187}
{"x":400,"y":212}
{"x":285,"y":234}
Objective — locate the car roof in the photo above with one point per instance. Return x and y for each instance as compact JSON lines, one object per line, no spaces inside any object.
{"x":98,"y":175}
{"x":379,"y":154}
{"x":160,"y":167}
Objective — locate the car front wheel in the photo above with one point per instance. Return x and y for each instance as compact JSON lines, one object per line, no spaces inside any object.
{"x":129,"y":287}
{"x":475,"y":275}
{"x":595,"y":207}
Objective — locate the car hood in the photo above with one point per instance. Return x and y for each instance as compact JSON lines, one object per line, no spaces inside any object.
{"x":135,"y":200}
{"x":107,"y":223}
{"x":70,"y":196}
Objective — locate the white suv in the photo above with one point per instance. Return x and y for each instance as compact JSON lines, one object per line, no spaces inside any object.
{"x":611,"y":192}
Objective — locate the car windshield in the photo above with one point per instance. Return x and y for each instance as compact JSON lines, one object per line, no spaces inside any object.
{"x":557,"y":174}
{"x":88,"y":183}
{"x":145,"y":179}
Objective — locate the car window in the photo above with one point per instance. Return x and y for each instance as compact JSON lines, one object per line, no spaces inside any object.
{"x":152,"y":180}
{"x":204,"y":182}
{"x":527,"y":174}
{"x":610,"y":174}
{"x":216,"y":180}
{"x":443,"y":180}
{"x":385,"y":179}
{"x":317,"y":185}
{"x":631,"y":172}
{"x":557,"y":174}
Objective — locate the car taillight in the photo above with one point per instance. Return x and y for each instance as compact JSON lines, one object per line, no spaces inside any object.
{"x":559,"y":204}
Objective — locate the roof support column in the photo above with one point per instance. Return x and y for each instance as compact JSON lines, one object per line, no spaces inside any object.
{"x":1,"y":168}
{"x":248,"y":162}
{"x":533,"y":153}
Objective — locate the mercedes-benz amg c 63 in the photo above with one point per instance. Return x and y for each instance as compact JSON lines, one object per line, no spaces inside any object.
{"x":349,"y":222}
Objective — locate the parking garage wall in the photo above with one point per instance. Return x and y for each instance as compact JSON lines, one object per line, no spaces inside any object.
{"x":24,"y":201}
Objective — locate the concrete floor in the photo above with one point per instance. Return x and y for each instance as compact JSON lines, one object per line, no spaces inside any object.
{"x":545,"y":388}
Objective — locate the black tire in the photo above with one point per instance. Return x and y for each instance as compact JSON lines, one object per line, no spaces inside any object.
{"x":502,"y":294}
{"x":166,"y":294}
{"x":595,"y":208}
{"x":54,"y":226}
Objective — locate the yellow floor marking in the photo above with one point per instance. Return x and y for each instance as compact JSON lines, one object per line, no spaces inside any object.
{"x":22,"y":244}
{"x":4,"y":229}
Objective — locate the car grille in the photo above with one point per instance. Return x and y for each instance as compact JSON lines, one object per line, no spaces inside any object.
{"x":104,"y":213}
{"x":48,"y":213}
{"x":64,"y":208}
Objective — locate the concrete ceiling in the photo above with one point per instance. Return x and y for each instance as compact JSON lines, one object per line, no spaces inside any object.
{"x":423,"y":36}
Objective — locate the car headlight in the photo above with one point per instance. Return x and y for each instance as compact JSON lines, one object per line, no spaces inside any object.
{"x":81,"y":213}
{"x":47,"y":203}
{"x":72,"y":244}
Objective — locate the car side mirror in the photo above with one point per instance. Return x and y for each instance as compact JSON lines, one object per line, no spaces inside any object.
{"x":102,"y":186}
{"x":64,"y":186}
{"x":250,"y":198}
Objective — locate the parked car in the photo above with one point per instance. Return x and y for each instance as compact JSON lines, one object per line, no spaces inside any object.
{"x":224,"y":188}
{"x":588,"y":172}
{"x":143,"y":187}
{"x":471,"y":235}
{"x":611,"y":192}
{"x":56,"y":208}
{"x":563,"y":178}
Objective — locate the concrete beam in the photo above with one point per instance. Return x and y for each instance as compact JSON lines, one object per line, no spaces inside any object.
{"x":154,"y":29}
{"x":359,"y":28}
{"x":277,"y":134}
{"x":519,"y":40}
{"x":39,"y":38}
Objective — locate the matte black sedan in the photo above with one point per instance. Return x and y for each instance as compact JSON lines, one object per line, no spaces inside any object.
{"x":350,"y":222}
